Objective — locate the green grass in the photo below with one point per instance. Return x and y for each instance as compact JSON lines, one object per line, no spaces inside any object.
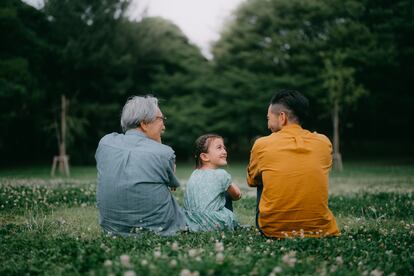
{"x":50,"y":226}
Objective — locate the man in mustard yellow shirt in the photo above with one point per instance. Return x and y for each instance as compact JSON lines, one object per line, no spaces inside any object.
{"x":290,"y":168}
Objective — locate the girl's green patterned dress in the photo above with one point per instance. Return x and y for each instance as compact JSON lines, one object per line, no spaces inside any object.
{"x":205,"y":199}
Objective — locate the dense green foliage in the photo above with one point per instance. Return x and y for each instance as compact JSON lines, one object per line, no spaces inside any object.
{"x":360,"y":52}
{"x":331,"y":51}
{"x":49,"y":226}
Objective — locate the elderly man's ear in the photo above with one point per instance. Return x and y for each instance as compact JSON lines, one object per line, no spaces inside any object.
{"x":143,"y":126}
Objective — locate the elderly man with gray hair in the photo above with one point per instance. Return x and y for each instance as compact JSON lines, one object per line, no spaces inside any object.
{"x":135,"y":172}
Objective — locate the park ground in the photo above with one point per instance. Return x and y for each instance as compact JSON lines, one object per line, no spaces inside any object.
{"x":49,"y":226}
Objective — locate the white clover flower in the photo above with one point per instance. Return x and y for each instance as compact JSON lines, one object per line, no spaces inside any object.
{"x":219,"y":247}
{"x":157,"y":254}
{"x":248,"y":249}
{"x":290,"y":258}
{"x":144,"y":262}
{"x":219,"y":258}
{"x":192,"y":252}
{"x":376,"y":272}
{"x":173,"y":263}
{"x":185,"y":272}
{"x":130,"y":273}
{"x":339,"y":260}
{"x":107,"y":263}
{"x":277,"y":269}
{"x":125,"y":260}
{"x":175,"y":246}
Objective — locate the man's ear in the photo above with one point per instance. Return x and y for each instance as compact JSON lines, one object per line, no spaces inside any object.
{"x":204,"y":157}
{"x":283,"y":119}
{"x":143,"y":126}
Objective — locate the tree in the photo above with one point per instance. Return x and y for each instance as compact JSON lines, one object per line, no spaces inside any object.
{"x":342,"y":91}
{"x":90,"y":68}
{"x":289,"y":43}
{"x":23,"y":84}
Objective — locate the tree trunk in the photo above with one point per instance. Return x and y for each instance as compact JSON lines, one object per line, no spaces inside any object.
{"x":62,"y":160}
{"x":62,"y":146}
{"x":337,"y":158}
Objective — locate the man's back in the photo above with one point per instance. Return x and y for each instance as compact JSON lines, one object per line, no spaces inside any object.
{"x":134,"y":173}
{"x":293,"y":165}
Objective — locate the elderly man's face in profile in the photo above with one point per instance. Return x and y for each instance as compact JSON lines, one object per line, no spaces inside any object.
{"x":156,"y":128}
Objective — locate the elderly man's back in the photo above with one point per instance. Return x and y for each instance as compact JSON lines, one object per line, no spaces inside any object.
{"x":134,"y":173}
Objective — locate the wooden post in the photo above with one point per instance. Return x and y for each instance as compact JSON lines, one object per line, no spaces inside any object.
{"x":62,"y":159}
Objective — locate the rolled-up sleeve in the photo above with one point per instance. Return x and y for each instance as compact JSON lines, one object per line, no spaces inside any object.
{"x":253,"y":170}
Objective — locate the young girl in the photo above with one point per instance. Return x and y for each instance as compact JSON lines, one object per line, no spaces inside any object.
{"x":205,"y":196}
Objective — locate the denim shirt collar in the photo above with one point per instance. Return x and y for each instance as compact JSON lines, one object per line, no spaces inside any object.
{"x":136,"y":132}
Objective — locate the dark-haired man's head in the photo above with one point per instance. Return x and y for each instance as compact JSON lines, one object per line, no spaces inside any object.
{"x":287,"y":107}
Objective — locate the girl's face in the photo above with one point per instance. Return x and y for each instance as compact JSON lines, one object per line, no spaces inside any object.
{"x":216,"y":155}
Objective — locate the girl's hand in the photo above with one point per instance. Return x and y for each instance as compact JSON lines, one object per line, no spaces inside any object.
{"x":234,"y":192}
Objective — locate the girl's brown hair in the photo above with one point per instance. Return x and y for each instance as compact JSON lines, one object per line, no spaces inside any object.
{"x":201,"y":146}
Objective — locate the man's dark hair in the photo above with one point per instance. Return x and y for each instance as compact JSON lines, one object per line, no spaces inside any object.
{"x":296,"y":104}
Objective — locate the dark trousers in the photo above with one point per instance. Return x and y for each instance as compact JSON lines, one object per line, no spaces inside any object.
{"x":259,"y":195}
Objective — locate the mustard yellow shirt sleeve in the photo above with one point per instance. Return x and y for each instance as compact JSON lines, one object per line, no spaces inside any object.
{"x":254,"y":174}
{"x":328,"y":163}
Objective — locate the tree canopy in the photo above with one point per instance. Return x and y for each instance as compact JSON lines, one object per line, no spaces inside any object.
{"x":360,"y":52}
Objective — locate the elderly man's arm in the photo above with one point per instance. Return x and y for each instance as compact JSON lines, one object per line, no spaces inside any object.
{"x":173,"y":182}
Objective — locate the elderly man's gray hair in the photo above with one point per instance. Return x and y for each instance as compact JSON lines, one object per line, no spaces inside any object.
{"x":138,"y":109}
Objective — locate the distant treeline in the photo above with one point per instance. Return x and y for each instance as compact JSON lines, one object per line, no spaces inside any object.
{"x":352,"y":57}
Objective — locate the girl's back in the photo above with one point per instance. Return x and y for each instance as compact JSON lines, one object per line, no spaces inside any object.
{"x":206,"y":189}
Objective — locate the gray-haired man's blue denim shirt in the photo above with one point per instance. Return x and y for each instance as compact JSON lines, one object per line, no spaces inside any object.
{"x":134,"y":173}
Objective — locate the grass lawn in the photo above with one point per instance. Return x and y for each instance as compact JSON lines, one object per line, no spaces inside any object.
{"x":49,"y":226}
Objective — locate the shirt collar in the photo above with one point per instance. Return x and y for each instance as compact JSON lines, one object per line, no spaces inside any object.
{"x":136,"y":132}
{"x":291,"y":128}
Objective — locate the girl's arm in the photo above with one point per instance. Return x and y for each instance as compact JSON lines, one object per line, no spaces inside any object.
{"x":234,"y":192}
